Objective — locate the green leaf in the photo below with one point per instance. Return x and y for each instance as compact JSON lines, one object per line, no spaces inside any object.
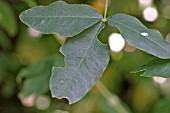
{"x":156,"y":67}
{"x":105,"y":105}
{"x":9,"y":65}
{"x":36,"y":79}
{"x":85,"y":59}
{"x":60,"y":17}
{"x":4,"y":41}
{"x":137,"y":35}
{"x":162,"y":106}
{"x":7,"y":18}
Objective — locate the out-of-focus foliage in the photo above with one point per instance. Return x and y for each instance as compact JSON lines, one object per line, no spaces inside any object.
{"x":22,"y":52}
{"x":7,"y":18}
{"x":162,"y":106}
{"x":5,"y":42}
{"x":38,"y":74}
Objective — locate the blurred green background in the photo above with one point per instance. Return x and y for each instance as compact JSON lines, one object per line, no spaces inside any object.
{"x":27,"y":56}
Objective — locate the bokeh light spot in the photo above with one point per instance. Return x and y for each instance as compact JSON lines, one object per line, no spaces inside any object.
{"x":150,"y":14}
{"x":166,"y":11}
{"x":27,"y":101}
{"x":60,"y":111}
{"x":34,"y":33}
{"x":159,"y":80}
{"x":168,"y":37}
{"x":129,"y":48}
{"x":116,"y":42}
{"x":42,"y":102}
{"x":145,"y":2}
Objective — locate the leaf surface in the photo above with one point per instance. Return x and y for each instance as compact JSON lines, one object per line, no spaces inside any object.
{"x":60,"y":17}
{"x":137,"y":35}
{"x":156,"y":67}
{"x":85,"y":61}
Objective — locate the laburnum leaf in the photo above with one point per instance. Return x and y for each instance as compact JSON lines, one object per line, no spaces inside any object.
{"x":85,"y":61}
{"x":156,"y":67}
{"x":139,"y":36}
{"x":62,"y":18}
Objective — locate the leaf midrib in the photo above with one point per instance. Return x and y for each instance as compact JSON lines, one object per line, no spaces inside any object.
{"x":85,"y":17}
{"x":74,"y":74}
{"x":140,"y":34}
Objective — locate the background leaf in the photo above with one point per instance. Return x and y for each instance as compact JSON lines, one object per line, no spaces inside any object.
{"x":38,"y":77}
{"x":7,"y":18}
{"x":156,"y":67}
{"x":8,"y":65}
{"x":162,"y":106}
{"x":4,"y":41}
{"x":137,"y":35}
{"x":86,"y":59}
{"x":60,"y":17}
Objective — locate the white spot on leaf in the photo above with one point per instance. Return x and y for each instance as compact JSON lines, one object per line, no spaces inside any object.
{"x":42,"y":21}
{"x":144,"y":34}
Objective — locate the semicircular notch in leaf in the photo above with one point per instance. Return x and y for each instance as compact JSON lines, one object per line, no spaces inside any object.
{"x":85,"y":59}
{"x":137,"y":35}
{"x":156,"y":67}
{"x":60,"y":17}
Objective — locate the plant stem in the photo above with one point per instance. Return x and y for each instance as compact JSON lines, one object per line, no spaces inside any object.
{"x":105,"y":12}
{"x":111,"y":98}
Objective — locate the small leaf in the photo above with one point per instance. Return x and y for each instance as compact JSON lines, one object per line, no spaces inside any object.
{"x":156,"y":67}
{"x":85,"y":59}
{"x":60,"y":17}
{"x":137,"y":35}
{"x":7,"y":18}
